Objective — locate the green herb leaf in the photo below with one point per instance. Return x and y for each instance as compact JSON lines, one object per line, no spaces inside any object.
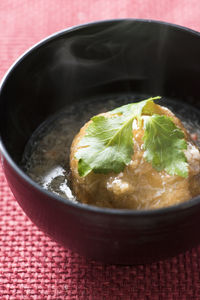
{"x":107,"y":146}
{"x":108,"y":143}
{"x":164,"y":144}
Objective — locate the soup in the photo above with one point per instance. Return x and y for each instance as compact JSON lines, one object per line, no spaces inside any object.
{"x":46,"y":157}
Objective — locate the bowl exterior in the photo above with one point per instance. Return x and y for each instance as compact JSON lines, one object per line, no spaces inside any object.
{"x":107,"y":237}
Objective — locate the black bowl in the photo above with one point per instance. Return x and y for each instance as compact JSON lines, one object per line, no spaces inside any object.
{"x":97,"y":59}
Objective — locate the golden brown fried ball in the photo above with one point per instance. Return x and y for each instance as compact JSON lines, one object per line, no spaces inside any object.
{"x":139,"y":186}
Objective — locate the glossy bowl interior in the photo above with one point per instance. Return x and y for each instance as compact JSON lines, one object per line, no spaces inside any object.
{"x":100,"y":59}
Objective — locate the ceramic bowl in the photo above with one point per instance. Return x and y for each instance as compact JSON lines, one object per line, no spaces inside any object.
{"x":83,"y":62}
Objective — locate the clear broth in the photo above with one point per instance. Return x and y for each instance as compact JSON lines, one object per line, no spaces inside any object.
{"x":46,"y":155}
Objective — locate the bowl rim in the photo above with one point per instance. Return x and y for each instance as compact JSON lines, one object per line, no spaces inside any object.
{"x":178,"y":208}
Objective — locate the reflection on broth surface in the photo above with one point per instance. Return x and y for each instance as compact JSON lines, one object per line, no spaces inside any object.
{"x":46,"y":157}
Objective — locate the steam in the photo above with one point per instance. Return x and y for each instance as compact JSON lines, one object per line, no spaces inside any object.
{"x":126,"y":50}
{"x":124,"y":53}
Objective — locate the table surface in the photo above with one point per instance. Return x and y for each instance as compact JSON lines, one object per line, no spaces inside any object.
{"x":32,"y":266}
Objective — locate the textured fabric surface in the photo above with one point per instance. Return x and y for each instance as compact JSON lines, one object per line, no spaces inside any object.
{"x":32,"y":266}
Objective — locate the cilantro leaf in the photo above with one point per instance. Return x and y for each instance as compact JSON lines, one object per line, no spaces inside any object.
{"x":164,"y":144}
{"x":106,"y":147}
{"x":108,"y":143}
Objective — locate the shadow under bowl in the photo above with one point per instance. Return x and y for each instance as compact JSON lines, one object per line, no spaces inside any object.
{"x":85,"y":62}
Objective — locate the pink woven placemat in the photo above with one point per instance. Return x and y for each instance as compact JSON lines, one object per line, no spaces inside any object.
{"x":32,"y":266}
